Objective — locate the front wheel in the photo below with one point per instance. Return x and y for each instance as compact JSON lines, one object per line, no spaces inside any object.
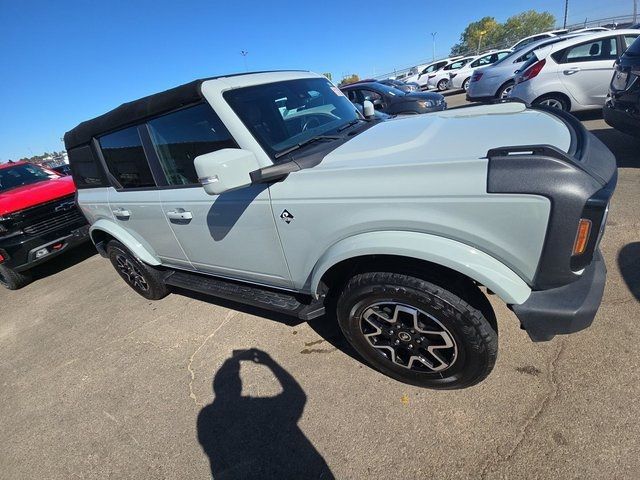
{"x":13,"y":280}
{"x":416,"y":332}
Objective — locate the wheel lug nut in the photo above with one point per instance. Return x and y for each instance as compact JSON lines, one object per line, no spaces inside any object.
{"x":391,"y":332}
{"x":410,"y":346}
{"x":397,"y":342}
{"x":413,"y":331}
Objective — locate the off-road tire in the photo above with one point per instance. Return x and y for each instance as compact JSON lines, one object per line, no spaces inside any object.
{"x":12,"y":280}
{"x":144,"y":279}
{"x":475,"y":340}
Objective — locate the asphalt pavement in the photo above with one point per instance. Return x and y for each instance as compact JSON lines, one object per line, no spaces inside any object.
{"x":97,"y":382}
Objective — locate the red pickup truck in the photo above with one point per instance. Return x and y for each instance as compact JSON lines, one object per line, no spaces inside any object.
{"x":39,"y":219}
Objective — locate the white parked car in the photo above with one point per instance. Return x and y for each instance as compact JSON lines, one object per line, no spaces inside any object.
{"x":460,"y":78}
{"x":497,"y":80}
{"x":538,"y":36}
{"x":421,"y":76}
{"x":573,"y":74}
{"x":440,"y":79}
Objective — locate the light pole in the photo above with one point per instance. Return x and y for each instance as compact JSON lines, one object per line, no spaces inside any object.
{"x":566,"y":11}
{"x":433,"y":43}
{"x":480,"y":41}
{"x":244,"y":54}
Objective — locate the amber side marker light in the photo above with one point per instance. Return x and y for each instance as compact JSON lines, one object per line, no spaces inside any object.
{"x":582,"y":237}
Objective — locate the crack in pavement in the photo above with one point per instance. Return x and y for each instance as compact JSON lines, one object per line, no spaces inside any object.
{"x":490,"y":465}
{"x":192,"y":395}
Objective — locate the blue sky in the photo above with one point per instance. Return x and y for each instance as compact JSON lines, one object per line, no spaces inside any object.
{"x":65,"y":61}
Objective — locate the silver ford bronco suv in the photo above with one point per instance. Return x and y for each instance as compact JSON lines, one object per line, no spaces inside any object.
{"x":273,"y":190}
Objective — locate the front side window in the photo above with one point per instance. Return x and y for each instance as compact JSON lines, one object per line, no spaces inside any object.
{"x":181,"y":136}
{"x":634,"y":49}
{"x":601,"y":49}
{"x":125,"y":158}
{"x":21,"y":175}
{"x":281,"y":115}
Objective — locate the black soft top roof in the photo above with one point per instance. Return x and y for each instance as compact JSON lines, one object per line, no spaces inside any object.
{"x":134,"y":112}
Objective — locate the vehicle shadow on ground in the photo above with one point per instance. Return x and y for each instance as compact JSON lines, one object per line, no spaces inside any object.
{"x":325,"y":326}
{"x":257,"y":437}
{"x":63,"y":261}
{"x":629,"y":265}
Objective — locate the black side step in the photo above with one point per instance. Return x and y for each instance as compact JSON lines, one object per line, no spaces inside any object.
{"x":299,"y":306}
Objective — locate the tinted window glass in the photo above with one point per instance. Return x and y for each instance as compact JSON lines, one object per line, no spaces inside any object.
{"x":181,"y":136}
{"x":125,"y":158}
{"x":85,"y":168}
{"x":601,"y":49}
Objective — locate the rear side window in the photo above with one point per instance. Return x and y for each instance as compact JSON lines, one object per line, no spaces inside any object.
{"x":125,"y":158}
{"x":86,"y":169}
{"x":600,"y":49}
{"x":181,"y":136}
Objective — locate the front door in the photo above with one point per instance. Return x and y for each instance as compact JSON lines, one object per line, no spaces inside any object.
{"x":135,"y":204}
{"x":232,"y":234}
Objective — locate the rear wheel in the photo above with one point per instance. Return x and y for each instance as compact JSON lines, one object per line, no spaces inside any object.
{"x":443,"y":85}
{"x":465,"y":84}
{"x":416,"y":332}
{"x":505,"y":90}
{"x":13,"y":280}
{"x":144,"y":279}
{"x":554,"y":101}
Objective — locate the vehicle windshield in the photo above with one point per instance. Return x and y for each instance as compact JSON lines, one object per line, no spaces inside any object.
{"x":20,"y":175}
{"x":281,"y":115}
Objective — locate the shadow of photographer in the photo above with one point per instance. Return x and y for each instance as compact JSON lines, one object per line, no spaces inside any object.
{"x":257,"y":437}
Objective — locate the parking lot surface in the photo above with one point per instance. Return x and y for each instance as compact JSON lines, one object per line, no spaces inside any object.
{"x":98,"y":382}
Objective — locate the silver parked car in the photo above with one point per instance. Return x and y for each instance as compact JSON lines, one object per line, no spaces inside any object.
{"x":497,"y":80}
{"x":271,"y":189}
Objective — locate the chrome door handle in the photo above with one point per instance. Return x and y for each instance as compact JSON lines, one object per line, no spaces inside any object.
{"x":179,"y":214}
{"x":571,"y":71}
{"x":121,"y":213}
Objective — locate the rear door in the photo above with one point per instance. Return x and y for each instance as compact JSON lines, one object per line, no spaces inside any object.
{"x":135,"y":200}
{"x":585,"y":69}
{"x":232,"y":235}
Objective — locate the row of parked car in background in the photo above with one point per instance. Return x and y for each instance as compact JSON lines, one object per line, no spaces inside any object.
{"x":567,"y":70}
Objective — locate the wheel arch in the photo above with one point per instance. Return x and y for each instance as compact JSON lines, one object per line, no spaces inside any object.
{"x":103,"y":230}
{"x":420,"y":251}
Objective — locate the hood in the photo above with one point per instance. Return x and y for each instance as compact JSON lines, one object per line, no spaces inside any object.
{"x":27,"y":196}
{"x":449,"y":135}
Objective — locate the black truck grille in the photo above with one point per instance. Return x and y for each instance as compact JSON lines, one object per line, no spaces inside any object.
{"x":53,"y":223}
{"x":48,"y":217}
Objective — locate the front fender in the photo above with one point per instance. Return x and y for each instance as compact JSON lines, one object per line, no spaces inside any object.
{"x":143,"y":252}
{"x":462,"y":258}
